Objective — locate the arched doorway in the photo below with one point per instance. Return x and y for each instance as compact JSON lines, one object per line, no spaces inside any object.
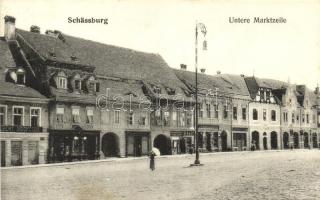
{"x":110,"y":147}
{"x":306,"y":140}
{"x":163,"y":144}
{"x":286,"y":140}
{"x":224,"y":142}
{"x":255,"y":139}
{"x":296,"y":140}
{"x":314,"y":140}
{"x":274,"y":140}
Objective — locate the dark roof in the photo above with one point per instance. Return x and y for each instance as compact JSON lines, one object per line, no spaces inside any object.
{"x":108,"y":60}
{"x":227,"y":84}
{"x":10,"y":89}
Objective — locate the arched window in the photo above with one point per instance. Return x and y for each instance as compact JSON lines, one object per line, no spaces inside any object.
{"x":255,"y":114}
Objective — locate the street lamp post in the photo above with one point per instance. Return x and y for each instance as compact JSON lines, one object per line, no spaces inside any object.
{"x":204,"y":31}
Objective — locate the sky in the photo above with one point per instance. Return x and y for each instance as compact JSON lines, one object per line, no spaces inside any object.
{"x":287,"y":51}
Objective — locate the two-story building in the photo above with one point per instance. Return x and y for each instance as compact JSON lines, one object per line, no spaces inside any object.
{"x":23,"y":110}
{"x":223,"y":110}
{"x":264,"y":115}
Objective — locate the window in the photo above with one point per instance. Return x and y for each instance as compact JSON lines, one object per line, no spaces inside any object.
{"x":264,"y":115}
{"x":285,"y":117}
{"x":313,"y":119}
{"x":262,"y":96}
{"x":189,"y":118}
{"x":254,"y":114}
{"x":21,"y":79}
{"x":89,"y":115}
{"x":77,"y":84}
{"x":130,"y":118}
{"x":166,"y":118}
{"x":174,"y":118}
{"x":60,"y":114}
{"x":3,"y":115}
{"x":35,"y":117}
{"x":216,"y":111}
{"x":302,"y":118}
{"x":297,"y":119}
{"x":143,"y":120}
{"x":62,"y":82}
{"x":18,"y":116}
{"x":225,"y":112}
{"x":117,"y":116}
{"x":201,"y":111}
{"x":75,"y":115}
{"x":235,"y":113}
{"x":244,"y":113}
{"x":293,"y":117}
{"x":273,"y":115}
{"x":208,"y":107}
{"x":307,"y":118}
{"x":268,"y":96}
{"x":181,"y":119}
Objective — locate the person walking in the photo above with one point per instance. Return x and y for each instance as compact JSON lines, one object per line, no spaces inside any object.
{"x":152,"y":164}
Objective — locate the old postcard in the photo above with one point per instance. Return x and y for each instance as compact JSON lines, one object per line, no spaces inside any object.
{"x":177,"y":100}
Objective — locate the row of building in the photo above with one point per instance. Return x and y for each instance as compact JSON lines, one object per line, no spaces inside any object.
{"x":64,"y":98}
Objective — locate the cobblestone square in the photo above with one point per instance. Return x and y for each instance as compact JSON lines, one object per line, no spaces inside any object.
{"x":237,"y":175}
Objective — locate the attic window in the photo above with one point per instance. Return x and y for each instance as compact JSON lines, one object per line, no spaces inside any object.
{"x":52,"y":54}
{"x":74,"y":58}
{"x":20,"y":76}
{"x":156,"y":89}
{"x":170,"y":91}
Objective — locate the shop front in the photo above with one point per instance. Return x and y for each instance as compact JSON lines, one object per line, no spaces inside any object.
{"x":73,"y":145}
{"x":208,"y":138}
{"x":137,"y":143}
{"x":239,"y":138}
{"x":182,"y":142}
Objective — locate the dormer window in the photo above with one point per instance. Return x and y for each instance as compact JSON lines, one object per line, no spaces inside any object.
{"x":61,"y":80}
{"x":76,"y":83}
{"x":92,"y":85}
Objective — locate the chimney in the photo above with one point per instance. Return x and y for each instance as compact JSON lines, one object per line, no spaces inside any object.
{"x":218,"y":72}
{"x":242,"y":75}
{"x":35,"y":29}
{"x":9,"y":28}
{"x":203,"y":70}
{"x":183,"y":66}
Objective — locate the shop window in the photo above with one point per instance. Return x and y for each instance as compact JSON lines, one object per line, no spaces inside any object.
{"x":235,"y":113}
{"x":89,"y":115}
{"x":60,"y":114}
{"x":35,"y":117}
{"x":264,"y":115}
{"x":166,"y":121}
{"x":273,"y":115}
{"x":18,"y":113}
{"x":75,"y":115}
{"x":254,"y":114}
{"x":244,"y":113}
{"x":130,"y":118}
{"x":117,"y":116}
{"x":3,"y":115}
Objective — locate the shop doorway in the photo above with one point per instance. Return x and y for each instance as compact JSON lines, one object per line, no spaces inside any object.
{"x":239,"y":140}
{"x":274,"y":140}
{"x":314,"y":140}
{"x":208,"y":144}
{"x":3,"y":153}
{"x":33,"y":152}
{"x":16,"y":153}
{"x":137,"y":144}
{"x":163,"y":144}
{"x":286,"y":140}
{"x":224,"y":141}
{"x":255,"y":139}
{"x":296,"y":140}
{"x":110,"y":147}
{"x":183,"y":146}
{"x":306,"y":140}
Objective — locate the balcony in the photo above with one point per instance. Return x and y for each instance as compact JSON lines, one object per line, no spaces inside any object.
{"x":26,"y":129}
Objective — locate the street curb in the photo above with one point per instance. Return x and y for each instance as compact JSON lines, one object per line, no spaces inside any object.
{"x":143,"y":158}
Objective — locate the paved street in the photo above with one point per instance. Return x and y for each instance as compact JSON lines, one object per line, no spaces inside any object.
{"x":238,"y":175}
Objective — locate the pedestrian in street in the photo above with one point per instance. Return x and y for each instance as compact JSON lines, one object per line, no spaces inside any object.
{"x":152,"y":164}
